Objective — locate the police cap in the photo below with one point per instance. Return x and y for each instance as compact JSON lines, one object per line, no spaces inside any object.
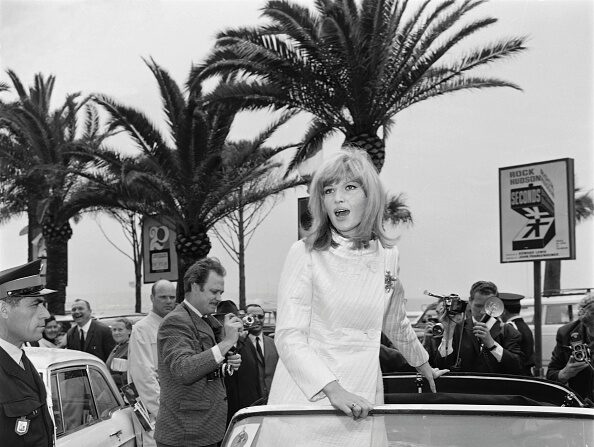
{"x":23,"y":280}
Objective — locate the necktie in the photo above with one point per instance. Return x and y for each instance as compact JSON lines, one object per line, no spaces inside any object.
{"x":82,"y":340}
{"x":259,"y":351}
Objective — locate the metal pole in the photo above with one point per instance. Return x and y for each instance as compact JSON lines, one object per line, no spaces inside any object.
{"x":537,"y":320}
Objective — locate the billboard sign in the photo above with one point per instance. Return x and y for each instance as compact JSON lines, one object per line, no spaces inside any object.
{"x":537,"y":211}
{"x":158,"y":245}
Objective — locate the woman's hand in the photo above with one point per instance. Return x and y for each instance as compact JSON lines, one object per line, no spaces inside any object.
{"x":349,"y":403}
{"x":431,"y":374}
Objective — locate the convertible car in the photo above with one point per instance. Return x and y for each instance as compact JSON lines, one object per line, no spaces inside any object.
{"x":469,"y":410}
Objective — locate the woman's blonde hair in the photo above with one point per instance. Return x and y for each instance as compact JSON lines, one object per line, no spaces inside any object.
{"x":348,"y":164}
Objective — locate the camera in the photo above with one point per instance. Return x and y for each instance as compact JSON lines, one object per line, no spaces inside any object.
{"x":581,"y":351}
{"x":248,"y":321}
{"x":454,"y":305}
{"x":224,"y":369}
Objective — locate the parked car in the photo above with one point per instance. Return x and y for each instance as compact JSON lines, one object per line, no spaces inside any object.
{"x":558,"y":308}
{"x":269,"y":322}
{"x":87,"y":408}
{"x":468,"y":410}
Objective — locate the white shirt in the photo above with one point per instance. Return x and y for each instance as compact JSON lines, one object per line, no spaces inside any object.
{"x":253,"y":339}
{"x":85,"y":328}
{"x":216,"y":351}
{"x":14,"y":352}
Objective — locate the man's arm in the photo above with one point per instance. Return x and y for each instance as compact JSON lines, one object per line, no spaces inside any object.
{"x":142,"y":369}
{"x":511,"y":360}
{"x":181,"y":352}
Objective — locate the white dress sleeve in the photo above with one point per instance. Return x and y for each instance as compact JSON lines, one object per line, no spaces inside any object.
{"x":291,"y":337}
{"x":396,"y":325}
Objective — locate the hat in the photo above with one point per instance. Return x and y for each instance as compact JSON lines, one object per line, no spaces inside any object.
{"x":585,"y":303}
{"x":22,"y":281}
{"x":510,"y":298}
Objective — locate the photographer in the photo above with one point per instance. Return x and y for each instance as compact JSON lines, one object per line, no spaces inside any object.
{"x":571,"y":362}
{"x":469,"y":344}
{"x":193,"y":363}
{"x":259,"y":357}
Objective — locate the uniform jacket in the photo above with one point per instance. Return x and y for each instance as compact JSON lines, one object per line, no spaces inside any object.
{"x":22,"y":393}
{"x":98,"y":340}
{"x":474,"y":359}
{"x":527,"y":345}
{"x":193,"y":408}
{"x":583,"y":382}
{"x":247,"y":385}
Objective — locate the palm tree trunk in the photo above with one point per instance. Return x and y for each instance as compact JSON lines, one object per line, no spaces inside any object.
{"x":552,"y":277}
{"x":56,"y":239}
{"x":189,"y":248}
{"x":372,"y":144}
{"x":57,"y":274}
{"x":33,"y":230}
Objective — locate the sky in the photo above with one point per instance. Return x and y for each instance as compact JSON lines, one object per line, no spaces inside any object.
{"x":443,"y":154}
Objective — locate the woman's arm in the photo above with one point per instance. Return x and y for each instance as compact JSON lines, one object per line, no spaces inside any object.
{"x":293,"y":325}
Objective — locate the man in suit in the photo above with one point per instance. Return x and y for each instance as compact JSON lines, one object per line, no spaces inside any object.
{"x":576,"y":373}
{"x":193,"y":406}
{"x":258,"y":361}
{"x":471,"y":345}
{"x":511,"y":315}
{"x":24,"y":416}
{"x":88,"y":335}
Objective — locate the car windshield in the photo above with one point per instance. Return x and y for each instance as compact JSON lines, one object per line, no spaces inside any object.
{"x":419,"y":428}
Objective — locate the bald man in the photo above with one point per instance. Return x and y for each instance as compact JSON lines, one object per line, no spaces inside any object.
{"x":142,"y":351}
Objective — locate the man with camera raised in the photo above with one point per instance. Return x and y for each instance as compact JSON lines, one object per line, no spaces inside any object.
{"x":571,"y":362}
{"x":192,"y":362}
{"x":473,"y":339}
{"x":259,"y":357}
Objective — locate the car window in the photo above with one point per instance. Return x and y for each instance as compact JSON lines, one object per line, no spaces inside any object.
{"x":56,"y":405}
{"x":558,"y":314}
{"x":103,"y":394}
{"x":76,"y":400}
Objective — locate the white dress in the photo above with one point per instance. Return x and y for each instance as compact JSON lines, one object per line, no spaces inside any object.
{"x":332,"y":307}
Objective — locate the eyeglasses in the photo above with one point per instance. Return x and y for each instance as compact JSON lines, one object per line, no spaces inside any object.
{"x":259,"y":317}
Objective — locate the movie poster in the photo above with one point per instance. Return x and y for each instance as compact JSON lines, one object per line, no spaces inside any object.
{"x":158,"y":245}
{"x":536,"y":211}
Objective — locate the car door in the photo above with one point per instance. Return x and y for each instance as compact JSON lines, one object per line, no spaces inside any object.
{"x":86,"y":410}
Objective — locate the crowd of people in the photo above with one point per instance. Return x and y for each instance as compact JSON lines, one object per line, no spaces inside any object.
{"x":341,"y":322}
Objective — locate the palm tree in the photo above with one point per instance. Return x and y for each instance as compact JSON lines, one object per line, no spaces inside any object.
{"x":187,"y":175}
{"x":584,"y":209}
{"x":235,"y":231}
{"x":38,"y":170}
{"x":353,"y":67}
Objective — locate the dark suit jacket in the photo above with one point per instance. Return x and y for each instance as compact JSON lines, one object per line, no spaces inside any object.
{"x":249,"y":383}
{"x":526,"y":344}
{"x":583,"y":382}
{"x":22,"y":393}
{"x":472,"y":357}
{"x":98,"y":340}
{"x":193,"y":409}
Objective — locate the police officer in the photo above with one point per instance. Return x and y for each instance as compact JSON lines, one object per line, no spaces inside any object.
{"x":24,"y":416}
{"x":511,"y":316}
